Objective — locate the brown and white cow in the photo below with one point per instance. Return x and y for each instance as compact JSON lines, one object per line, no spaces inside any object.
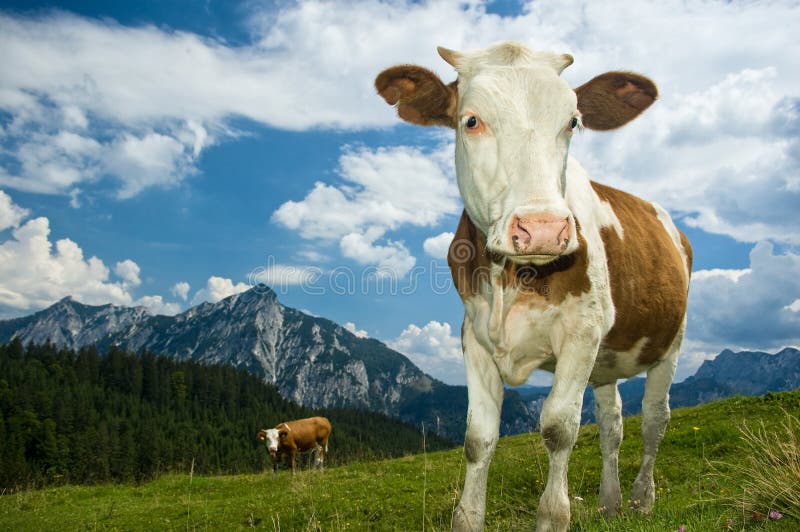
{"x":303,"y":435}
{"x":555,"y":271}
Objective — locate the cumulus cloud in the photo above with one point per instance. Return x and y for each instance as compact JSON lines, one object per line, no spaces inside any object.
{"x":434,"y":349}
{"x":36,"y":272}
{"x":157,"y":305}
{"x":10,"y":214}
{"x":181,"y":290}
{"x":750,"y":308}
{"x":381,"y":190}
{"x":128,"y":271}
{"x":218,"y":288}
{"x":438,"y":246}
{"x":392,"y":260}
{"x":34,"y":275}
{"x":360,"y":333}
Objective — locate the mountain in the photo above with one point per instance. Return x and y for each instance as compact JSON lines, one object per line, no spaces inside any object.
{"x":742,"y":373}
{"x":311,"y":360}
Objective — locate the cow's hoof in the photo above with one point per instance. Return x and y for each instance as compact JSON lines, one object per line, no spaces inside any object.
{"x":466,"y":520}
{"x":610,"y":507}
{"x":643,"y":497}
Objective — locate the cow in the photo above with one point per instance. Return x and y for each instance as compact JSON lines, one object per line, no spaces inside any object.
{"x":303,"y":435}
{"x":555,"y":271}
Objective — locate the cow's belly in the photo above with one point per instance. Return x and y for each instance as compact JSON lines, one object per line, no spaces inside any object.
{"x":611,"y":365}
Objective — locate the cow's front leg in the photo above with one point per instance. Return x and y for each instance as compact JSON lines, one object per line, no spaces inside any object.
{"x":559,"y":422}
{"x":485,"y":392}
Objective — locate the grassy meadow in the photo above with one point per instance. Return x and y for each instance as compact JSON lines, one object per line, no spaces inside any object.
{"x":709,"y":476}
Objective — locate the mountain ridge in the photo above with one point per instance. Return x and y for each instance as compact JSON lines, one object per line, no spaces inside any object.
{"x":311,"y":360}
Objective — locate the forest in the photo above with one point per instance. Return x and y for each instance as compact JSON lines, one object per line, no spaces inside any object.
{"x":88,"y":417}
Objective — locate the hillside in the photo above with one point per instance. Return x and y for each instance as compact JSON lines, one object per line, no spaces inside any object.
{"x":310,"y":360}
{"x":80,"y":417}
{"x":417,"y":492}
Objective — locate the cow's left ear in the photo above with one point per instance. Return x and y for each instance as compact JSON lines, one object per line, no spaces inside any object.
{"x":282,"y":433}
{"x":613,"y":99}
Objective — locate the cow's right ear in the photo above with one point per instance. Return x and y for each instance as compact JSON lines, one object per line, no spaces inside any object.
{"x":421,"y":97}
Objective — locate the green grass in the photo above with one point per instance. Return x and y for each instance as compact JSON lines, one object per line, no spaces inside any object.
{"x":695,"y":474}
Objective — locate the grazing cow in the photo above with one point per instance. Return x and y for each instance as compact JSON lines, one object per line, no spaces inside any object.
{"x":555,"y":271}
{"x":291,"y":437}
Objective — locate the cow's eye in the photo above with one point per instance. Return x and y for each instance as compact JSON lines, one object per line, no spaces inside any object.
{"x":574,"y":123}
{"x":473,"y":125}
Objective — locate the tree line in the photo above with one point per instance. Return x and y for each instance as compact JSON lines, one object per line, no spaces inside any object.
{"x":84,"y":417}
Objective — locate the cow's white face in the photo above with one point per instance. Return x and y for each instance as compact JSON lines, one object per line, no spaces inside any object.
{"x":514,"y":123}
{"x":271,"y":437}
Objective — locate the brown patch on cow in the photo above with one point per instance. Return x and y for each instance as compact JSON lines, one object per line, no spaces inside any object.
{"x":649,"y":285}
{"x":613,"y":99}
{"x":555,"y":437}
{"x":471,"y":263}
{"x":421,"y":97}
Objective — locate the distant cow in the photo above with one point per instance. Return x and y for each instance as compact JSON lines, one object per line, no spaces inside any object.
{"x":303,"y":435}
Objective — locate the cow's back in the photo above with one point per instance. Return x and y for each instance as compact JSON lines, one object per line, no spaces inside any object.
{"x":310,"y":431}
{"x":649,"y":268}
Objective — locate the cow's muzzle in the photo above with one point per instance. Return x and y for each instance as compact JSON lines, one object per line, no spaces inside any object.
{"x":539,"y":234}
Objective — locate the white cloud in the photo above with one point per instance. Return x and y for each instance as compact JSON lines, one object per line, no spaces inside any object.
{"x":218,"y":288}
{"x":382,"y":190}
{"x":157,"y":305}
{"x":731,"y":275}
{"x":278,"y":276}
{"x":10,"y":214}
{"x":181,"y":290}
{"x":434,"y":349}
{"x":392,"y":260}
{"x":33,"y":275}
{"x":439,"y":245}
{"x":128,"y":271}
{"x":750,"y":308}
{"x":35,"y":272}
{"x":360,"y":333}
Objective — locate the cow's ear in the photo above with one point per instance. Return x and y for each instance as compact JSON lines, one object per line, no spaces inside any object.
{"x":421,"y":97}
{"x":282,"y":433}
{"x":613,"y":99}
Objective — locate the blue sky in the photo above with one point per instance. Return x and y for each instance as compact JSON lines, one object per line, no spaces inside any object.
{"x":166,"y":153}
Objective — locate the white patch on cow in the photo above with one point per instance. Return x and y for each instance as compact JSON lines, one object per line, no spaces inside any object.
{"x":669,"y":225}
{"x":621,"y":364}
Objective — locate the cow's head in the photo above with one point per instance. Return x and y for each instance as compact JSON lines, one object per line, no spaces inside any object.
{"x":271,"y":437}
{"x":514,"y":117}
